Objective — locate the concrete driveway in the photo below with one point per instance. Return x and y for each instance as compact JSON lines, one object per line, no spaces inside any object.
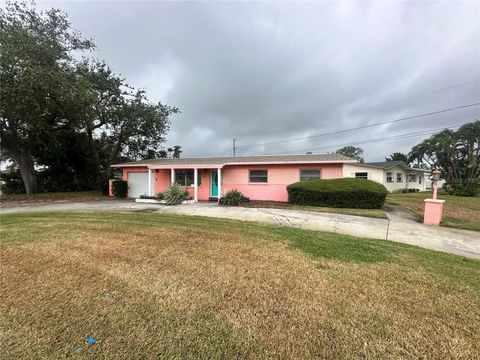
{"x":402,"y":226}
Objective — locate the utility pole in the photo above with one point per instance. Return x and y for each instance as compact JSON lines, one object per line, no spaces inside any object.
{"x":234,"y":147}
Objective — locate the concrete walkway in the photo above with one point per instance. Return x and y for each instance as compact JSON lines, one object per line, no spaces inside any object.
{"x":402,"y":226}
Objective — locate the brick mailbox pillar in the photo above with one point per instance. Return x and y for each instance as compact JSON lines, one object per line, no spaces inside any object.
{"x":433,"y":207}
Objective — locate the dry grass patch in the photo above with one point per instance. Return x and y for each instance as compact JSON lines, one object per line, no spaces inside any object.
{"x":458,"y":212}
{"x":148,"y":285}
{"x":15,"y":200}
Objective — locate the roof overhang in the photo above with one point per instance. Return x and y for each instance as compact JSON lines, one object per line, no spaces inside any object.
{"x":216,"y":166}
{"x":199,"y":166}
{"x":421,"y":170}
{"x":405,"y":167}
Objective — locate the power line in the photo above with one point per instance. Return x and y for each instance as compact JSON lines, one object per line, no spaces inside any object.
{"x":364,"y":126}
{"x":423,"y":94}
{"x":250,"y":150}
{"x":394,"y":137}
{"x":400,"y":100}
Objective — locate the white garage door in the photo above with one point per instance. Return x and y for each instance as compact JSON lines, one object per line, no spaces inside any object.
{"x":138,"y":184}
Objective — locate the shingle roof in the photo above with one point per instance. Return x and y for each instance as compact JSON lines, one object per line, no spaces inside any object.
{"x":391,"y":164}
{"x":242,"y":159}
{"x":387,"y":164}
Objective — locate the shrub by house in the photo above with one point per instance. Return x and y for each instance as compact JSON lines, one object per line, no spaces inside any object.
{"x":233,"y":198}
{"x":343,"y":193}
{"x":175,"y":195}
{"x":120,"y":188}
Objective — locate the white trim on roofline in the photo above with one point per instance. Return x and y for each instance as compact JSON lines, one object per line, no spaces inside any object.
{"x":404,"y":166}
{"x":160,"y":166}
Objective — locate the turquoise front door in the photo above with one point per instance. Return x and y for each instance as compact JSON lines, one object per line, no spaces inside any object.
{"x":214,"y":183}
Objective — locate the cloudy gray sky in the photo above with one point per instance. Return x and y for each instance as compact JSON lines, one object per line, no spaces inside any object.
{"x":267,"y":71}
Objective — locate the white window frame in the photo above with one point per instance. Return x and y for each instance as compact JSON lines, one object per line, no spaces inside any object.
{"x":185,"y":180}
{"x":389,"y":175}
{"x":361,"y":177}
{"x":257,"y":176}
{"x":414,"y":178}
{"x":401,"y":177}
{"x":310,"y":177}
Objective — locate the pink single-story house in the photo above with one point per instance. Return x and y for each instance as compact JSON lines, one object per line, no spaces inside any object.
{"x":207,"y":178}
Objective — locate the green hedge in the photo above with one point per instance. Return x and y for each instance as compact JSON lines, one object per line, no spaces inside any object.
{"x":120,"y":188}
{"x":342,"y":193}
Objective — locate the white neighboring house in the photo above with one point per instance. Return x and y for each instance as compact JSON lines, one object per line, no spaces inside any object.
{"x":395,"y":175}
{"x":429,"y":181}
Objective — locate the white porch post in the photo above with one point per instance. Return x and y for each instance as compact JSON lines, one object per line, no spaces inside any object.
{"x":195,"y":185}
{"x":219,"y":183}
{"x":172,"y":176}
{"x":149,"y":182}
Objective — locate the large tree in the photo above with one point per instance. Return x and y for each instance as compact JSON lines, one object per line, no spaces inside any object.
{"x":351,"y":151}
{"x":397,"y":156}
{"x":121,"y":123}
{"x":52,"y":104}
{"x":456,"y":154}
{"x":38,"y":84}
{"x":138,"y":128}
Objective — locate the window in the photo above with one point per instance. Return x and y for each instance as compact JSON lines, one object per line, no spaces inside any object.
{"x":399,"y":177}
{"x":258,"y":176}
{"x":361,"y":175}
{"x":420,"y":179}
{"x":412,"y":178}
{"x":186,"y":177}
{"x":309,"y":175}
{"x":389,"y":177}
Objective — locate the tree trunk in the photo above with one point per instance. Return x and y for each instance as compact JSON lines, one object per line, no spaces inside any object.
{"x":112,"y":157}
{"x":27,"y":171}
{"x":93,"y":146}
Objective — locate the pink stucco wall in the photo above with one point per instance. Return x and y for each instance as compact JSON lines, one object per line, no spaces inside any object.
{"x":162,"y":180}
{"x":279,"y":176}
{"x":433,"y":211}
{"x":163,"y":176}
{"x":237,"y":177}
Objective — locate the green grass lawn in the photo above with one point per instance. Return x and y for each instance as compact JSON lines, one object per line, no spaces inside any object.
{"x":24,"y":199}
{"x":374,"y":213}
{"x":149,"y":285}
{"x":458,"y":212}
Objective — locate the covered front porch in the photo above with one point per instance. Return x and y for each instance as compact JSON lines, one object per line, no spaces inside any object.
{"x":202,"y":182}
{"x":415,"y":179}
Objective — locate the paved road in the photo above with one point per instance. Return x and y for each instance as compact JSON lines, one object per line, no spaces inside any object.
{"x":402,"y":226}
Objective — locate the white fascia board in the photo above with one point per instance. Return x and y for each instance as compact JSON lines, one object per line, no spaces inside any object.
{"x":216,"y":166}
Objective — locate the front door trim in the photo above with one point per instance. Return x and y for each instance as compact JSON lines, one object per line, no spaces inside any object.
{"x":214,"y":184}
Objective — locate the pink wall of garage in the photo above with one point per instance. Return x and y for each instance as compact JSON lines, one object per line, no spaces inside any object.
{"x":237,"y":177}
{"x":279,"y":176}
{"x":162,"y":180}
{"x":163,"y":176}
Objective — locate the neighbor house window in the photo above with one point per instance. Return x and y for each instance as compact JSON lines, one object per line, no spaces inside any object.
{"x":412,"y":178}
{"x":389,"y":177}
{"x":361,"y":175}
{"x":186,"y":177}
{"x":258,"y":176}
{"x":399,"y":177}
{"x":309,"y":175}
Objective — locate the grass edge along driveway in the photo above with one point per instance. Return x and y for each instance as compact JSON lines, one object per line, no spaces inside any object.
{"x":458,"y":212}
{"x":151,"y":285}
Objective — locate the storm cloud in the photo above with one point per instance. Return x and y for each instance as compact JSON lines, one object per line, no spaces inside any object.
{"x":263,"y":72}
